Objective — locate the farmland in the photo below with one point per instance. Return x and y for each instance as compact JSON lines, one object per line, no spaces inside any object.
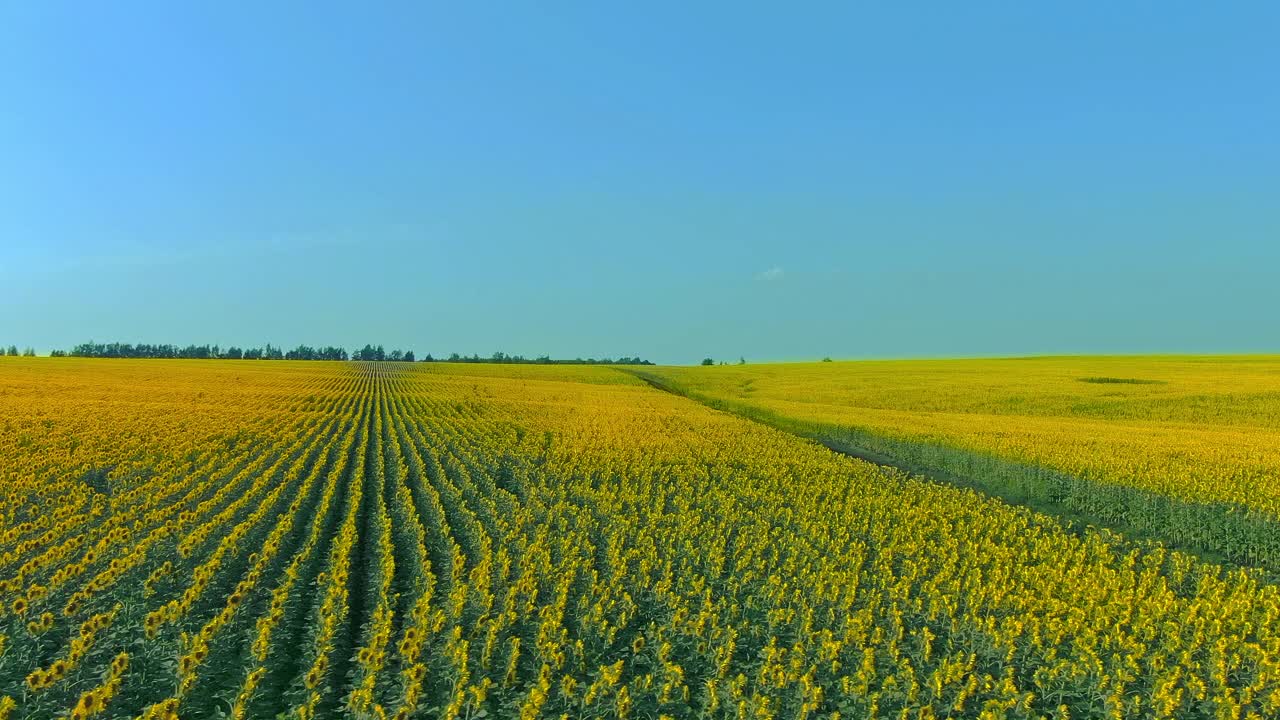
{"x":204,"y":539}
{"x":1184,"y":449}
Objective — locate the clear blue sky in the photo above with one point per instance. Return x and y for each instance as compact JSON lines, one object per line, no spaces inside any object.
{"x":672,"y":180}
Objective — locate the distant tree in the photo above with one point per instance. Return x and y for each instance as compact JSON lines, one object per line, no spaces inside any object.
{"x":57,"y":353}
{"x":369,"y":353}
{"x":306,"y":352}
{"x":408,"y":356}
{"x":826,"y":359}
{"x":428,"y":358}
{"x":12,"y":351}
{"x":708,"y":361}
{"x":29,"y":352}
{"x":742,"y":360}
{"x":395,"y":356}
{"x":233,"y":353}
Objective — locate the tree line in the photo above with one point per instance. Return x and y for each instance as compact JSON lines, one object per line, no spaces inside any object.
{"x":306,"y":352}
{"x":216,"y":352}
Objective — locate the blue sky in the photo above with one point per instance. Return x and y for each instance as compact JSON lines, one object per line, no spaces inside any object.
{"x":672,"y":180}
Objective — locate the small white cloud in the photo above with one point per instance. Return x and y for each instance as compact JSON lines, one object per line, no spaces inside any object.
{"x":772,"y":273}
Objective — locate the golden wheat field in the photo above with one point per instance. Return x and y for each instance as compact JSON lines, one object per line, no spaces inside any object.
{"x":246,"y":539}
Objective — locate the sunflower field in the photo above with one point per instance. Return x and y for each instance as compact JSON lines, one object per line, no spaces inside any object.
{"x":192,"y":539}
{"x":1183,"y":449}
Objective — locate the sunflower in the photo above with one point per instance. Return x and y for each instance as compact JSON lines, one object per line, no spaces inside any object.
{"x":37,"y":680}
